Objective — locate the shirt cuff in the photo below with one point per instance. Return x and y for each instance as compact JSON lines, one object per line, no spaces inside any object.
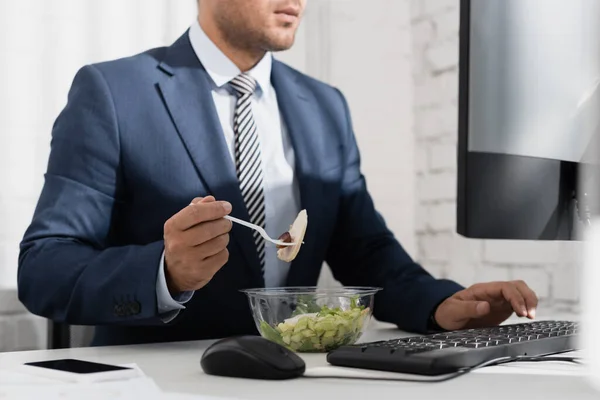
{"x":168,"y":306}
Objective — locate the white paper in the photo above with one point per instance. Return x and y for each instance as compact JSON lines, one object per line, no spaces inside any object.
{"x":8,"y":377}
{"x":19,"y":385}
{"x":23,"y":376}
{"x":135,"y":389}
{"x":144,"y":388}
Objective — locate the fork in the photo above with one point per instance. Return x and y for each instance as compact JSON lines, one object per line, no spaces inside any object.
{"x":260,"y":230}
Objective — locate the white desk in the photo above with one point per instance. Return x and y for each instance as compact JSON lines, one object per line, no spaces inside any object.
{"x":175,"y":367}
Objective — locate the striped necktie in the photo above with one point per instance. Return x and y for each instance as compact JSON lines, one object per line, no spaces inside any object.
{"x":248,"y":159}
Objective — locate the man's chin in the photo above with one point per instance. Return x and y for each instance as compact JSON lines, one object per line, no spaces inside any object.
{"x":280,"y":43}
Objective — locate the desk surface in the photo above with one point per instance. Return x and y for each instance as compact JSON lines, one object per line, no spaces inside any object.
{"x":175,"y":367}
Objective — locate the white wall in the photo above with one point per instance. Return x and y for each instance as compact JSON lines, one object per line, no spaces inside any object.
{"x":361,"y":47}
{"x":551,"y":268}
{"x":364,"y":49}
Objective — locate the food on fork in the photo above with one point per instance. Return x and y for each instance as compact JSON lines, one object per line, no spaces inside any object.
{"x":294,"y":235}
{"x":286,"y":238}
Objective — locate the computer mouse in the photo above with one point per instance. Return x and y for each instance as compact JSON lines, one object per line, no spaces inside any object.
{"x":252,"y":357}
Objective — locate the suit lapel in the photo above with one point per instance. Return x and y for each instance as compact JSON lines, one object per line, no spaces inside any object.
{"x":187,"y":94}
{"x":302,"y":120}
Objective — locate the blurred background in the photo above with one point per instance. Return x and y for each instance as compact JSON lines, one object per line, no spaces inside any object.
{"x":396,"y":62}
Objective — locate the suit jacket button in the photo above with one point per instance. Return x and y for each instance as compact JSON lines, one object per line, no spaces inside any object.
{"x":118,"y":310}
{"x":135,"y":307}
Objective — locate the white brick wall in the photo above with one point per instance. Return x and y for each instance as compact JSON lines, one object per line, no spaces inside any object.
{"x":442,"y":56}
{"x":435,"y":123}
{"x":441,"y":217}
{"x":442,"y":157}
{"x":550,"y":268}
{"x":437,"y":247}
{"x":437,"y":186}
{"x":434,"y":6}
{"x":520,"y":252}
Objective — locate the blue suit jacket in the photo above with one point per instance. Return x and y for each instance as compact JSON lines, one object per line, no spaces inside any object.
{"x":137,"y":140}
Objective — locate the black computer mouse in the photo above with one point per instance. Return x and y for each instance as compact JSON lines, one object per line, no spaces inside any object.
{"x":252,"y":357}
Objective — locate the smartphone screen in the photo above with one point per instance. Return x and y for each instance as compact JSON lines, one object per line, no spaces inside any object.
{"x":76,"y":366}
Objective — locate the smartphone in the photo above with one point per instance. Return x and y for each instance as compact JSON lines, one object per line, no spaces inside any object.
{"x":73,"y":370}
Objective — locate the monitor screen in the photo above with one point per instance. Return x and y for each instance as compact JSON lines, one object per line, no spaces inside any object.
{"x":534,"y":73}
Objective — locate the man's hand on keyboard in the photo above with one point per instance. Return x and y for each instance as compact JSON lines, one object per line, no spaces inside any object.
{"x":486,"y":304}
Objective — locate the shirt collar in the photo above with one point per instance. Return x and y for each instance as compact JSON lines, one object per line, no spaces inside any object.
{"x":220,"y":68}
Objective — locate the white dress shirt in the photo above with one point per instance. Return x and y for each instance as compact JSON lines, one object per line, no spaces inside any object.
{"x":282,"y":198}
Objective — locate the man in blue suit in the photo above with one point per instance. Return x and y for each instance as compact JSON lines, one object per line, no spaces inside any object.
{"x":151,"y":153}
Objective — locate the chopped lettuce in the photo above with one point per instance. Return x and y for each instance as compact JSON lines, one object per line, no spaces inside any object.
{"x":321,"y":331}
{"x":306,"y":305}
{"x":270,"y":333}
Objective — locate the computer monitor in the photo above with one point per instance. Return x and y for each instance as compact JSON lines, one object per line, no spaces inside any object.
{"x":529,"y":112}
{"x":529,"y":137}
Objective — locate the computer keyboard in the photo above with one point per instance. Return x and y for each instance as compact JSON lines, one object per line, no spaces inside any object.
{"x":448,"y":352}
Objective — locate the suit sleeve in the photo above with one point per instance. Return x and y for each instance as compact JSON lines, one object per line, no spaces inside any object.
{"x":68,"y":270}
{"x":365,"y":252}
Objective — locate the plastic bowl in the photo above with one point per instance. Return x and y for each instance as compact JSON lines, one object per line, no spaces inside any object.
{"x":311,"y":319}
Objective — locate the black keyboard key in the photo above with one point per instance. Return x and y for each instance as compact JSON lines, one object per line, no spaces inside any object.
{"x":440,"y":336}
{"x":475,"y":345}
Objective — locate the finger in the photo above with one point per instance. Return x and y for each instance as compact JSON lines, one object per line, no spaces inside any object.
{"x":454,"y":313}
{"x":212,"y":247}
{"x":197,"y":213}
{"x":463,"y":310}
{"x":206,"y":199}
{"x":205,"y":232}
{"x":515,"y":298}
{"x":490,"y":291}
{"x":213,"y":264}
{"x":531,"y":300}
